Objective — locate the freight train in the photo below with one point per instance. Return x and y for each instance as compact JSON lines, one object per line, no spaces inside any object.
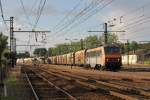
{"x":107,"y":57}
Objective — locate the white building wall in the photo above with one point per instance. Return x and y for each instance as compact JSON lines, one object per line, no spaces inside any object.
{"x":132,"y":59}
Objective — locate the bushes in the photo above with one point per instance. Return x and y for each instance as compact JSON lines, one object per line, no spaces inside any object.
{"x":147,"y":61}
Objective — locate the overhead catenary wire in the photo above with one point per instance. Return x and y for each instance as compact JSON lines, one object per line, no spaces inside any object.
{"x":39,"y":13}
{"x":83,"y":29}
{"x":68,"y":14}
{"x":135,"y":23}
{"x":131,"y":13}
{"x":28,"y":20}
{"x":38,"y":16}
{"x":89,"y":15}
{"x":33,"y":6}
{"x":2,"y":15}
{"x":25,"y":12}
{"x":83,"y":11}
{"x":83,"y":20}
{"x":139,"y":35}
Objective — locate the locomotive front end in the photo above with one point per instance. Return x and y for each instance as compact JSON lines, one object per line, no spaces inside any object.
{"x":112,"y":57}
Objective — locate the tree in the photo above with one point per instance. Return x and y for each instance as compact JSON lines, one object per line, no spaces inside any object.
{"x":88,"y":42}
{"x":133,"y":46}
{"x":23,"y":55}
{"x":3,"y":47}
{"x":112,"y":38}
{"x":91,"y":41}
{"x":40,"y":52}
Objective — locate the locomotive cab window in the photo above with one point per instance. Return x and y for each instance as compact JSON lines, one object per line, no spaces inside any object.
{"x":111,"y":50}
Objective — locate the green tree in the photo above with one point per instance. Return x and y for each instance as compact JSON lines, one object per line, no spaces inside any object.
{"x":91,"y":41}
{"x":88,"y":42}
{"x":3,"y":47}
{"x":112,"y":38}
{"x":40,"y":52}
{"x":133,"y":46}
{"x":23,"y":55}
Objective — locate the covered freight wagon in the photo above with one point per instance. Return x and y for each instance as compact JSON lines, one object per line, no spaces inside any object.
{"x":64,"y":59}
{"x":80,"y":57}
{"x":71,"y":58}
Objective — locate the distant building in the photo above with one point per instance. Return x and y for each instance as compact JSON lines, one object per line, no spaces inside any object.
{"x":141,"y":56}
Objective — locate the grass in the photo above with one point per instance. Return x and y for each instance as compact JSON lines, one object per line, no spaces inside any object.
{"x":147,"y":62}
{"x":8,"y":98}
{"x":11,"y":80}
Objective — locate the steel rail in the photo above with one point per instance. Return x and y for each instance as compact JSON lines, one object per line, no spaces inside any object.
{"x":68,"y":94}
{"x":31,"y":86}
{"x":118,"y":86}
{"x":114,"y":93}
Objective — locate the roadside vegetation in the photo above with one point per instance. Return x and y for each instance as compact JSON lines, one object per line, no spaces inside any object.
{"x":4,"y":52}
{"x":4,"y":55}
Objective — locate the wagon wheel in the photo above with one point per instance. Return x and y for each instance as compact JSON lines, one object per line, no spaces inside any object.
{"x":97,"y":67}
{"x":103,"y":68}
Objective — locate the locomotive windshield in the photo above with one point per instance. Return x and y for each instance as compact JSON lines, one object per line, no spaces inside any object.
{"x":111,"y":50}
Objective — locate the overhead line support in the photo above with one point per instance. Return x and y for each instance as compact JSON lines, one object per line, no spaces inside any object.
{"x":106,"y":32}
{"x":13,"y":40}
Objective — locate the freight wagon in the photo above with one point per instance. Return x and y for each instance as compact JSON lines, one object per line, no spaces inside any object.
{"x":107,"y":57}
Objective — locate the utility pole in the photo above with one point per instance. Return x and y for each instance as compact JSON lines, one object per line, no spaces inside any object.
{"x":13,"y":41}
{"x":106,"y":33}
{"x":128,"y":49}
{"x":81,"y":44}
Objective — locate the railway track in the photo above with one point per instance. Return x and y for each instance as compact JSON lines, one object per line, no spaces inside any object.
{"x":43,"y":89}
{"x":142,"y":82}
{"x":107,"y":89}
{"x":79,"y":91}
{"x":119,"y":90}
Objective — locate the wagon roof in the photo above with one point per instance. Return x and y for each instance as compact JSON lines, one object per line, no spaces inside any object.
{"x":94,"y":49}
{"x":81,"y":51}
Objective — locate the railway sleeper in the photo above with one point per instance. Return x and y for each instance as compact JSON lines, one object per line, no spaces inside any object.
{"x":123,"y":96}
{"x":122,"y":88}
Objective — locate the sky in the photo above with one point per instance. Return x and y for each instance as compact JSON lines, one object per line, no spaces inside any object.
{"x":65,"y":20}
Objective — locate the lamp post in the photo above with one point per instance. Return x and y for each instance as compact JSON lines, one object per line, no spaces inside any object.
{"x":70,"y":48}
{"x":128,"y":49}
{"x":71,"y":40}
